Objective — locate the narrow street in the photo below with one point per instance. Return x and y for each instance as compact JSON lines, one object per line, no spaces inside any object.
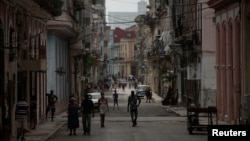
{"x":154,"y":123}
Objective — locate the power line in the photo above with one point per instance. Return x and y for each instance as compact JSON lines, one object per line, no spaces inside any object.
{"x":126,"y":22}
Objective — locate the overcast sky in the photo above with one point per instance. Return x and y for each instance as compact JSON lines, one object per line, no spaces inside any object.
{"x":122,"y":5}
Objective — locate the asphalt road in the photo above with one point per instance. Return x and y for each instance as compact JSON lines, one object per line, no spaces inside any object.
{"x":154,"y":124}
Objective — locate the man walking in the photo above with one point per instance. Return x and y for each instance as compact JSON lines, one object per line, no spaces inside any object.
{"x":22,"y":118}
{"x":115,"y":97}
{"x":87,"y":107}
{"x":133,"y":104}
{"x":52,"y":99}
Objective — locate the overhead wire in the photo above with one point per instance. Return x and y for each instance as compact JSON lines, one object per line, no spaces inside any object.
{"x":123,"y":1}
{"x":175,"y":7}
{"x":125,"y":21}
{"x":181,"y":14}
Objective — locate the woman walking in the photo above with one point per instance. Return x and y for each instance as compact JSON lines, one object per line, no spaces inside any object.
{"x":103,"y":105}
{"x":73,"y":121}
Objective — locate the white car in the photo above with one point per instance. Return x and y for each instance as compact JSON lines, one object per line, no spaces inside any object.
{"x":95,"y":96}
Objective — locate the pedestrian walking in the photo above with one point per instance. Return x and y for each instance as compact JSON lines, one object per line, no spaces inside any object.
{"x":87,"y":108}
{"x":103,"y":105}
{"x":123,"y":86}
{"x":148,"y":96}
{"x":52,"y":99}
{"x":133,"y":104}
{"x":73,"y":120}
{"x":72,"y":95}
{"x":115,"y":97}
{"x":21,"y":114}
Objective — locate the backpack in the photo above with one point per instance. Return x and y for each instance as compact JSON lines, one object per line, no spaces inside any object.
{"x":133,"y":102}
{"x":115,"y":95}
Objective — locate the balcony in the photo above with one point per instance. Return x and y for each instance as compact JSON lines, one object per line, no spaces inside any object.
{"x":78,"y":5}
{"x":157,"y":50}
{"x":62,"y":28}
{"x":51,"y":6}
{"x":34,"y":65}
{"x":156,"y":53}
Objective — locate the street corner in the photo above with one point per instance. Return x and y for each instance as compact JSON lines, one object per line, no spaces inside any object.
{"x":157,"y":100}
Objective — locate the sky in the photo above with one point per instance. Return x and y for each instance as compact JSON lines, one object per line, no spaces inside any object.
{"x":122,"y":5}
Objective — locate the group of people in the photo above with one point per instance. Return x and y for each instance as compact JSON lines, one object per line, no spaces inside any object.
{"x":88,"y":111}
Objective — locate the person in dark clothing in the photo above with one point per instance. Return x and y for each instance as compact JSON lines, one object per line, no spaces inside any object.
{"x":115,"y":97}
{"x":133,"y":104}
{"x":87,"y":108}
{"x":73,"y":121}
{"x":148,"y":95}
{"x":72,"y":95}
{"x":52,"y":99}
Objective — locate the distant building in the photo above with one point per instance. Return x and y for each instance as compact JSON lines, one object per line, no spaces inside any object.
{"x":142,"y":7}
{"x":125,"y":19}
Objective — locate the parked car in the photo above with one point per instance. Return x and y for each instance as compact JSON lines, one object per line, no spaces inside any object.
{"x":95,"y":96}
{"x":142,"y":90}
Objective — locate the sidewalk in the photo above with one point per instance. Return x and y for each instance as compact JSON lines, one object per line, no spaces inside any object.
{"x":47,"y":129}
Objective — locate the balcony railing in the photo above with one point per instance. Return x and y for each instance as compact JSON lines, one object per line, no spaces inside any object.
{"x":156,"y":53}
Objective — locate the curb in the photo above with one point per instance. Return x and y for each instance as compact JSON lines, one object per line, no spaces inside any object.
{"x":182,"y":114}
{"x":46,"y":138}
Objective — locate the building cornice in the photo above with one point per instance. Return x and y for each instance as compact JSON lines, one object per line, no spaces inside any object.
{"x":219,"y":4}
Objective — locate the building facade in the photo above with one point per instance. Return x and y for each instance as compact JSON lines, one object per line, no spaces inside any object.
{"x":228,"y":52}
{"x":23,"y":58}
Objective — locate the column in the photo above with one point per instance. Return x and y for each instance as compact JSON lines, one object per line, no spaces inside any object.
{"x":236,"y":68}
{"x":229,"y":74}
{"x":222,"y":69}
{"x":218,"y":76}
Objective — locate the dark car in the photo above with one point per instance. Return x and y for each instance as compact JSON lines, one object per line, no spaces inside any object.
{"x":142,"y":90}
